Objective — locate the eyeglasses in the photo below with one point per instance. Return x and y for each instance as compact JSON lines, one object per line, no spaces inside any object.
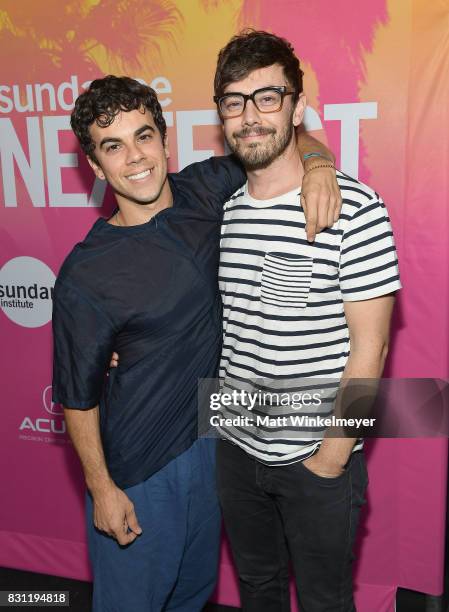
{"x":266,"y":100}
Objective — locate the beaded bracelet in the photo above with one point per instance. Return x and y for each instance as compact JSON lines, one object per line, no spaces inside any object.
{"x":319,"y":166}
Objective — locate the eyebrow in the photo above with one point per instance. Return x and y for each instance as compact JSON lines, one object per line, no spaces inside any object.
{"x":240,"y":93}
{"x":109,"y":139}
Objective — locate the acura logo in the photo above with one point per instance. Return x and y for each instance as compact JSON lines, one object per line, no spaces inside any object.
{"x":50,"y":406}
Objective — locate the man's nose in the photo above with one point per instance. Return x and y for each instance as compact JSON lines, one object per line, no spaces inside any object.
{"x":134,"y":154}
{"x":250,"y":115}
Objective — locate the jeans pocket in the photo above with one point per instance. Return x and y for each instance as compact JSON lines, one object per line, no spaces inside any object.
{"x":324,"y":479}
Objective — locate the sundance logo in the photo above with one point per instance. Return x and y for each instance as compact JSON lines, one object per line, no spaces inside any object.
{"x":26,"y":291}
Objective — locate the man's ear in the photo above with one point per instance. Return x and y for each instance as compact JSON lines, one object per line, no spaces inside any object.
{"x":166,"y":149}
{"x":300,"y":109}
{"x":96,"y":168}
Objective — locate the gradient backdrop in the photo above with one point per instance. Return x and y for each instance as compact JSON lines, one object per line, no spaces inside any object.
{"x":377,"y":81}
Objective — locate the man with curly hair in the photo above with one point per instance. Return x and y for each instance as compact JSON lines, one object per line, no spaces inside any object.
{"x":144,"y":283}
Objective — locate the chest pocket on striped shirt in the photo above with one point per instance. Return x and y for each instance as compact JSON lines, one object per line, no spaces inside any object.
{"x":286,"y":280}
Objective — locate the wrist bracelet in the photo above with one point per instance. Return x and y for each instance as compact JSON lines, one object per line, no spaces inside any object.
{"x":319,"y":166}
{"x":316,"y":154}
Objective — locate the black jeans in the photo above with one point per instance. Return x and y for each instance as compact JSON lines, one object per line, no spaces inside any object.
{"x":276,"y":514}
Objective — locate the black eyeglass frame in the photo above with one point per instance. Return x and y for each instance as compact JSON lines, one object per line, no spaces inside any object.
{"x":281,"y":89}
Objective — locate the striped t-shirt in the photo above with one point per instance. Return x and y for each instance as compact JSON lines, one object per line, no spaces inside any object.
{"x":283,"y":318}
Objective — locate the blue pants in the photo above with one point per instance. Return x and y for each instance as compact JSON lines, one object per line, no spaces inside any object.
{"x":173,"y":565}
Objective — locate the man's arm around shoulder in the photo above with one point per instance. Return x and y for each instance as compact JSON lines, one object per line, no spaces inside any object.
{"x":320,"y":193}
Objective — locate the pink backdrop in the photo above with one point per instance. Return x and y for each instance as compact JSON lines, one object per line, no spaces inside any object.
{"x":377,"y":84}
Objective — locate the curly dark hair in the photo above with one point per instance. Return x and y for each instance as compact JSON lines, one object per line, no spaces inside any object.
{"x":107,"y":97}
{"x":254,"y":49}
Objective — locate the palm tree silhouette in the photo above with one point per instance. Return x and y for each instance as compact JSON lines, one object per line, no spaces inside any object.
{"x":135,"y":31}
{"x":332,"y":37}
{"x":64,"y":38}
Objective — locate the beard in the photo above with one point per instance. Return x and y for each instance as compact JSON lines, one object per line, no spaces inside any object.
{"x":259,"y":155}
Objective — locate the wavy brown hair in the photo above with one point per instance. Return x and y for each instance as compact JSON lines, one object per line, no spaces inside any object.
{"x":254,"y":49}
{"x":107,"y":97}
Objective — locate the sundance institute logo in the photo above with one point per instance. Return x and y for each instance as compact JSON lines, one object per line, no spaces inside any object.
{"x":26,"y":291}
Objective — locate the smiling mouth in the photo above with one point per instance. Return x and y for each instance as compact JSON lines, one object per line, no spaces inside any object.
{"x":140,"y":175}
{"x":255,"y":131}
{"x":249,"y":136}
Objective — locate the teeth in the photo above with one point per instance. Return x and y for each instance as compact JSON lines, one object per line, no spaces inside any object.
{"x":135,"y":177}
